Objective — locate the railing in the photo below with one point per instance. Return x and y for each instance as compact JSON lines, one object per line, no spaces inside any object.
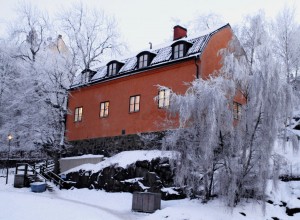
{"x":45,"y":171}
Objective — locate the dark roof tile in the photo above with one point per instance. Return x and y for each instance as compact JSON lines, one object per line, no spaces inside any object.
{"x":163,"y":55}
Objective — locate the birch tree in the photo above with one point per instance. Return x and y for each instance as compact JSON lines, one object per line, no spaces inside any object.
{"x":92,"y":35}
{"x":286,"y":41}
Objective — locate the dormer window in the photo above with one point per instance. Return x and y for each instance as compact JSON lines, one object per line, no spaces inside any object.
{"x":144,"y":59}
{"x":180,"y":49}
{"x":113,"y":68}
{"x":87,"y":75}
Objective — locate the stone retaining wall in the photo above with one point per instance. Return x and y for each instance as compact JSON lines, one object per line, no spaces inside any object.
{"x":109,"y":146}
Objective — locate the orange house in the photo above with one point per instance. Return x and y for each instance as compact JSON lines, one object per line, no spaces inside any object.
{"x":118,"y":100}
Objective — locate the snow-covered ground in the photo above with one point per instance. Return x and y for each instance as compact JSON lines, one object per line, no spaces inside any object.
{"x":16,"y":204}
{"x":87,"y":204}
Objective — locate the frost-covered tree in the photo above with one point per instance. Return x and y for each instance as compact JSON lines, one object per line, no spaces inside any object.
{"x":28,"y":44}
{"x":252,"y":33}
{"x":29,"y":31}
{"x":286,"y":41}
{"x":269,"y":99}
{"x":91,"y":34}
{"x":8,"y":73}
{"x":204,"y":117}
{"x":231,"y":157}
{"x":44,"y":69}
{"x":207,"y":21}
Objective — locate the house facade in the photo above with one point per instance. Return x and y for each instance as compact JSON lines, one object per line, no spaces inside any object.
{"x":111,"y":105}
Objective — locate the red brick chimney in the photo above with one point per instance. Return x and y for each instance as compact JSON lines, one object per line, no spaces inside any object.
{"x":179,"y":32}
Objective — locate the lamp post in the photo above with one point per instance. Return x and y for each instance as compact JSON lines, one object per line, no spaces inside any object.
{"x":9,"y":137}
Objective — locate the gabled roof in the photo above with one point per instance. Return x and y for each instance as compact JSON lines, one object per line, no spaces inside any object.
{"x":163,"y":56}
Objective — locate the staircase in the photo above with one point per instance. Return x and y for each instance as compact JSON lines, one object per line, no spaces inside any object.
{"x":41,"y":172}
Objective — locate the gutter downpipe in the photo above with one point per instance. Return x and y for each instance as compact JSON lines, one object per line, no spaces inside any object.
{"x":197,"y":66}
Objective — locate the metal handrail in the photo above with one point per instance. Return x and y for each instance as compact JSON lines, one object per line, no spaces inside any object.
{"x":59,"y":181}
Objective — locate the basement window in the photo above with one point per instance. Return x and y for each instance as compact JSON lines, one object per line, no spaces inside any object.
{"x":78,"y":114}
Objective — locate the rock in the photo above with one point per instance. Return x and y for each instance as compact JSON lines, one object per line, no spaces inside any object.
{"x":150,"y":176}
{"x":270,"y":202}
{"x":291,"y":212}
{"x":175,"y":193}
{"x":242,"y":213}
{"x":143,"y":164}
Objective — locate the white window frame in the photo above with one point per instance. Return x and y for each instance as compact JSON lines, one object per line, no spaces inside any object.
{"x":143,"y":60}
{"x":134,"y":103}
{"x":178,"y":51}
{"x":164,"y":98}
{"x":104,"y":109}
{"x":112,"y":69}
{"x":78,"y":114}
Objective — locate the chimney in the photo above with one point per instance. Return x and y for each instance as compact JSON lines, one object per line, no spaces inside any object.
{"x":179,"y":32}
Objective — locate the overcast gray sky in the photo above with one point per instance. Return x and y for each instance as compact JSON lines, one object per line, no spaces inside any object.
{"x":144,"y":21}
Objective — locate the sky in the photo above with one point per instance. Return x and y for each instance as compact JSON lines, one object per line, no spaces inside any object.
{"x":141,"y":22}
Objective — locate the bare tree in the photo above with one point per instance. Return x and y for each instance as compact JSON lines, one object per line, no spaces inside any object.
{"x":91,"y":35}
{"x":252,"y":33}
{"x":29,"y":31}
{"x":286,"y":41}
{"x":205,"y":21}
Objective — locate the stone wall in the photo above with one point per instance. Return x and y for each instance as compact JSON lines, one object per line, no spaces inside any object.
{"x":109,"y":146}
{"x":142,"y":176}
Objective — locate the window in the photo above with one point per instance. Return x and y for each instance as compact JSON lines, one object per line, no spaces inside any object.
{"x":112,"y":69}
{"x":164,"y":98}
{"x":143,"y":61}
{"x":104,"y":106}
{"x":237,"y":110}
{"x":87,"y":75}
{"x":84,"y":78}
{"x":78,"y":114}
{"x":180,"y":48}
{"x":178,"y":51}
{"x":134,"y":103}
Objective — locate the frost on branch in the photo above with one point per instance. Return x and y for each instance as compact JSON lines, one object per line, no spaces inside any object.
{"x":217,"y":154}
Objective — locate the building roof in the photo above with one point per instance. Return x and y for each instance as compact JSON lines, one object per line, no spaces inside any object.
{"x":163,"y":55}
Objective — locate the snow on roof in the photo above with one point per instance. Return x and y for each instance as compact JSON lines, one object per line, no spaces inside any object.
{"x":124,"y":159}
{"x":101,"y":72}
{"x":163,"y":55}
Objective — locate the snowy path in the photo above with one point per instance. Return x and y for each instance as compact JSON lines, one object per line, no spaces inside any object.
{"x":15,"y":205}
{"x":61,"y":204}
{"x":78,"y":204}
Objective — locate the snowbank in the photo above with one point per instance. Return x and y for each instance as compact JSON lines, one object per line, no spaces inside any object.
{"x":124,"y":159}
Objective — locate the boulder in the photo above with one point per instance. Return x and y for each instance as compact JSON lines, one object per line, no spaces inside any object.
{"x":142,"y":176}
